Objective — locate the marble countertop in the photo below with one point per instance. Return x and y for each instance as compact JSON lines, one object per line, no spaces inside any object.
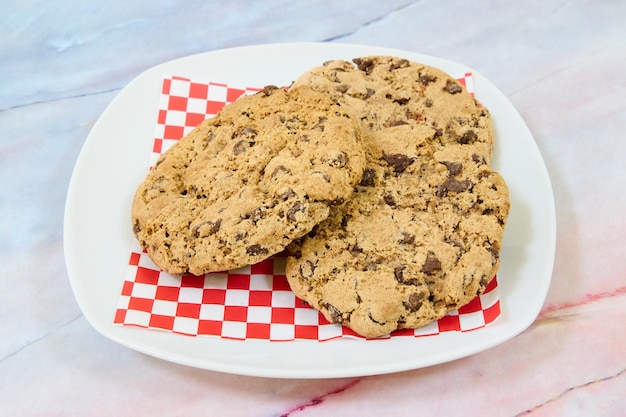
{"x":562,"y":65}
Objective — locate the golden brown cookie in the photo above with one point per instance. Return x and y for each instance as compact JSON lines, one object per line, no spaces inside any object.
{"x":244,"y":184}
{"x":422,"y":234}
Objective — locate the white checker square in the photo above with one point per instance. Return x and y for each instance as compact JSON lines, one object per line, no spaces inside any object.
{"x":430,"y":329}
{"x":164,"y":308}
{"x":123,"y":302}
{"x":212,"y":312}
{"x":257,"y":314}
{"x":167,"y":280}
{"x":307,"y":316}
{"x":218,"y":92}
{"x":215,"y":280}
{"x":237,"y":297}
{"x":190,"y":295}
{"x":283,"y":299}
{"x":261,"y":282}
{"x":180,"y":88}
{"x":175,"y":118}
{"x":280,"y":331}
{"x":185,"y":325}
{"x":329,"y":331}
{"x":472,"y":321}
{"x":234,"y":329}
{"x":196,"y":105}
{"x":167,"y":144}
{"x":144,"y":291}
{"x":138,"y":318}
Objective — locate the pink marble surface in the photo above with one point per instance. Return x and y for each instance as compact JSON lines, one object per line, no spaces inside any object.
{"x":562,"y":64}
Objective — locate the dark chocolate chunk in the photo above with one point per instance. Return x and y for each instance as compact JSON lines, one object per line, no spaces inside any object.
{"x":240,"y":147}
{"x":206,"y":228}
{"x":454,"y":168}
{"x":342,"y":88}
{"x":256,"y":250}
{"x":369,"y":175}
{"x":407,"y":238}
{"x":389,"y":200}
{"x":414,"y":302}
{"x":457,"y":186}
{"x":453,"y":87}
{"x":431,"y":264}
{"x":468,"y":137}
{"x":426,"y":79}
{"x":335,"y":313}
{"x":364,"y":64}
{"x":269,"y":89}
{"x":291,"y":213}
{"x":398,"y":161}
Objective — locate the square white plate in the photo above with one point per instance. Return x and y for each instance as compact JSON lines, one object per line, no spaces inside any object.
{"x":98,"y":232}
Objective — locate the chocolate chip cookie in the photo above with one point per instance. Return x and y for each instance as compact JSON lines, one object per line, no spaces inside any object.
{"x":422,"y":234}
{"x":244,"y":184}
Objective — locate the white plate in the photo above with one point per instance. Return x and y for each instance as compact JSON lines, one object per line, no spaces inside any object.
{"x":113,"y":161}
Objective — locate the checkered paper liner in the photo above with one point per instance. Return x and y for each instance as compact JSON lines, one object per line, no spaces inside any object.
{"x":253,"y":302}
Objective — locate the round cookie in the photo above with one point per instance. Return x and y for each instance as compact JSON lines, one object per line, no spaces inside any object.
{"x":244,"y":184}
{"x":421,"y":235}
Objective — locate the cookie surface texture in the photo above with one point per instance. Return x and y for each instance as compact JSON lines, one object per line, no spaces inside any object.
{"x":422,"y":234}
{"x":245,"y":183}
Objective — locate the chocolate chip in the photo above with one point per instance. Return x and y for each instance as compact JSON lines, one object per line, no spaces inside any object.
{"x":256,"y":249}
{"x":323,"y":174}
{"x":431,"y":264}
{"x":389,"y":200}
{"x":291,"y":213}
{"x":398,"y":161}
{"x":257,"y":214}
{"x":206,"y":228}
{"x":307,"y":268}
{"x":337,"y":201}
{"x":345,"y":219}
{"x":287,"y":195}
{"x":269,"y":89}
{"x":136,"y":228}
{"x":454,"y":168}
{"x":428,"y":102}
{"x":367,"y":180}
{"x":364,"y":64}
{"x":335,"y":313}
{"x":240,"y":147}
{"x":401,"y":101}
{"x":468,"y":137}
{"x":426,"y":79}
{"x":400,"y":63}
{"x":453,"y":87}
{"x":479,"y":159}
{"x":414,"y":302}
{"x":398,"y":123}
{"x":438,"y":133}
{"x":342,"y":88}
{"x":368,"y":93}
{"x":407,"y":238}
{"x":398,"y":273}
{"x":279,"y":170}
{"x":457,"y":186}
{"x":494,"y":254}
{"x":240,"y":235}
{"x":339,"y":160}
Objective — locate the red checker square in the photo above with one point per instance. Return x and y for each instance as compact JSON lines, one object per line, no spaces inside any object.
{"x":134,"y":258}
{"x":233,"y":94}
{"x":120,"y":316}
{"x":283,"y":315}
{"x":471,"y":307}
{"x":257,"y":331}
{"x":492,"y":285}
{"x":194,"y":119}
{"x":173,"y":132}
{"x":192,"y":281}
{"x":210,"y":327}
{"x":403,"y":332}
{"x":198,"y":90}
{"x":162,"y":116}
{"x":235,"y":313}
{"x":157,"y":147}
{"x":147,"y":276}
{"x":213,"y":296}
{"x":260,"y":298}
{"x":127,"y":288}
{"x":177,"y":103}
{"x":140,"y":304}
{"x":306,"y":332}
{"x":322,"y":320}
{"x":280,"y":283}
{"x":264,"y":267}
{"x":161,"y":322}
{"x":492,"y":313}
{"x":461,"y":81}
{"x":449,"y":323}
{"x":345,"y":331}
{"x":190,"y":310}
{"x":167,"y":293}
{"x":212,"y":107}
{"x":167,"y":83}
{"x":238,"y":282}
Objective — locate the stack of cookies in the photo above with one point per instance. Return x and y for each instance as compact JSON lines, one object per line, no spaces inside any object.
{"x":375,"y":175}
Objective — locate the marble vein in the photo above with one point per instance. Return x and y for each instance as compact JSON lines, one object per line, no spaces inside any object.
{"x":319,"y":399}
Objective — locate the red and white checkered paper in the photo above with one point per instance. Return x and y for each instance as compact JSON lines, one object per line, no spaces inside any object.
{"x":253,"y":302}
